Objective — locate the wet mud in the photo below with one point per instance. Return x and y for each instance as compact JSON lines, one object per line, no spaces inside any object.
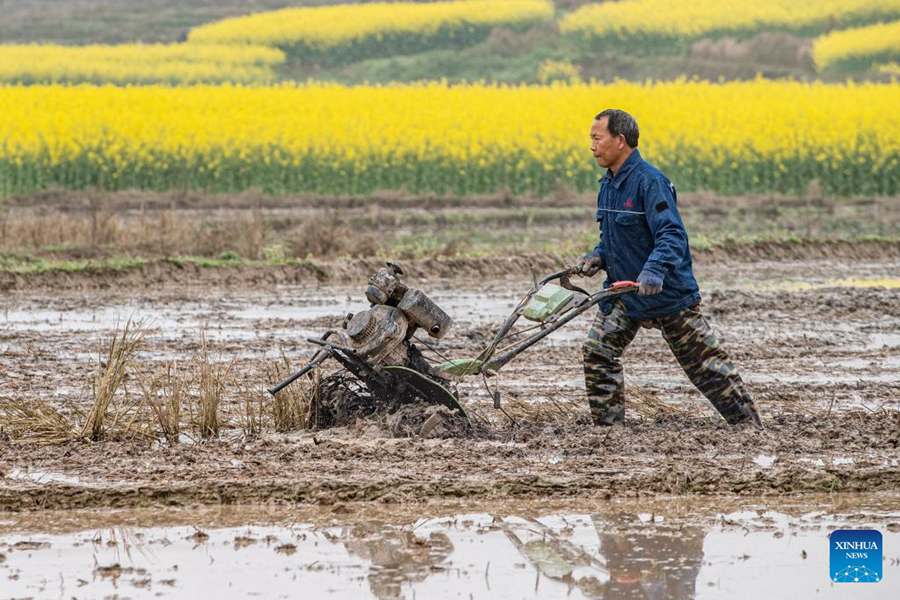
{"x":817,"y":341}
{"x":855,"y":452}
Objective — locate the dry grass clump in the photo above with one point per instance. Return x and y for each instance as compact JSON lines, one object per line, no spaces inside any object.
{"x":164,"y":394}
{"x":559,"y":412}
{"x":111,"y":410}
{"x":100,"y":231}
{"x":648,"y":404}
{"x":245,"y":233}
{"x":113,"y":363}
{"x":211,"y":380}
{"x":252,"y":413}
{"x":324,"y":235}
{"x":203,"y":387}
{"x":290,"y":408}
{"x":33,"y":420}
{"x":34,"y":229}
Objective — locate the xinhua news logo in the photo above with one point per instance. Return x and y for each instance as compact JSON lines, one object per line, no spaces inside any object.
{"x":855,"y":556}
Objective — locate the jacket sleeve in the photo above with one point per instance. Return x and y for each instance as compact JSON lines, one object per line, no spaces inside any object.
{"x":669,"y":235}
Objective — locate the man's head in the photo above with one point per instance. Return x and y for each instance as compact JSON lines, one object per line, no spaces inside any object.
{"x":614,"y":134}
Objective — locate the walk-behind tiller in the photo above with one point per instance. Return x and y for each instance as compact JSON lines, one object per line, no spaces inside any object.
{"x":382,"y":369}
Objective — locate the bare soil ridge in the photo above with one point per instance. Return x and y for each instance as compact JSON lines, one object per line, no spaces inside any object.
{"x":669,"y":456}
{"x":179,"y":273}
{"x":94,"y":240}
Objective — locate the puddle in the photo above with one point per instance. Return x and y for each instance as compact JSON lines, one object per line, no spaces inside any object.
{"x":291,"y":303}
{"x":673,"y":549}
{"x":48,"y":477}
{"x":820,"y":378}
{"x":891,"y":283}
{"x":885,"y":340}
{"x":17,"y":474}
{"x":765,"y":460}
{"x":281,"y":316}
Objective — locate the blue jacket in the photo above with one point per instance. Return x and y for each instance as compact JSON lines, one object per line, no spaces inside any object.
{"x":640,"y":229}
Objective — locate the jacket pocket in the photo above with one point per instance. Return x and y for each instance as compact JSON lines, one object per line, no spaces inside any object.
{"x":629,"y":220}
{"x":633,"y":230}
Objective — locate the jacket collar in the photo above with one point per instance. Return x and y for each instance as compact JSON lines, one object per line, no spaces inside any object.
{"x":627,"y":167}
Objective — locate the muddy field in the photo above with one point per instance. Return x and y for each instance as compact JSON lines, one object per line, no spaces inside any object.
{"x":817,"y":340}
{"x":532,"y":502}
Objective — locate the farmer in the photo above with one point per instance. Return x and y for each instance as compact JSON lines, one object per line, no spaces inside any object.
{"x":642,"y":238}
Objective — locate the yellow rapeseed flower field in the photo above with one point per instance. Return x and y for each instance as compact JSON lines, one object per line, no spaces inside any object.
{"x":736,"y":137}
{"x":859,"y":47}
{"x":646,"y":20}
{"x":137,"y":63}
{"x":242,"y":49}
{"x":368,"y":25}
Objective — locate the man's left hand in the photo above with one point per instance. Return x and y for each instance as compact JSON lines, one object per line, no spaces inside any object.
{"x":650,"y":284}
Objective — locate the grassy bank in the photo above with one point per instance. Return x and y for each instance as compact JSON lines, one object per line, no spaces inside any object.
{"x":92,"y":231}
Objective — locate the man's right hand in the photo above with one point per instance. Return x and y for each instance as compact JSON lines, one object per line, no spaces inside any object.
{"x":588,"y":266}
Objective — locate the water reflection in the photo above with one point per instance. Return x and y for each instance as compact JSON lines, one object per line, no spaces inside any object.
{"x":656,"y":563}
{"x":398,"y":557}
{"x":614,"y":553}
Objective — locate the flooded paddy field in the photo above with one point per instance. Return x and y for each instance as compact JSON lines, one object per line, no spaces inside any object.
{"x":820,"y":353}
{"x":539,"y":503}
{"x":673,"y":547}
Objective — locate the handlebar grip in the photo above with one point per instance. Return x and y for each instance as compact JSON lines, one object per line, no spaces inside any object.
{"x":624,"y":284}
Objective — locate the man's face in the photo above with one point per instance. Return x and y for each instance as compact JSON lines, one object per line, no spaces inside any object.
{"x":606,"y":148}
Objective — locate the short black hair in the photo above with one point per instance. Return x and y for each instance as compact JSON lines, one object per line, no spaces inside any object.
{"x":621,"y":123}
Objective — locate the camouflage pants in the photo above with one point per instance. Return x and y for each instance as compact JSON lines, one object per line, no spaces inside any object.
{"x":695,"y":346}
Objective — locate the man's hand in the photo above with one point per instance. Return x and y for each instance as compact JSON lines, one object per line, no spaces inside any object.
{"x":650,"y":284}
{"x":588,"y":266}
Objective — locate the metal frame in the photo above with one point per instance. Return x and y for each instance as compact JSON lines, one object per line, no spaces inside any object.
{"x":491,"y":365}
{"x":485,"y":363}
